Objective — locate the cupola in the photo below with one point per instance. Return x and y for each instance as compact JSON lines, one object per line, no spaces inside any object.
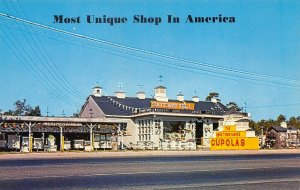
{"x":97,"y":91}
{"x":160,"y":94}
{"x":180,"y":97}
{"x":141,"y":95}
{"x":195,"y":98}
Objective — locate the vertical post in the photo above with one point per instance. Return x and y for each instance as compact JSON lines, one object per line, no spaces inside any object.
{"x":91,"y":126}
{"x":29,"y":125}
{"x":91,"y":137}
{"x":120,"y":133}
{"x":61,"y":139}
{"x":262,"y":137}
{"x":297,"y":138}
{"x":29,"y":137}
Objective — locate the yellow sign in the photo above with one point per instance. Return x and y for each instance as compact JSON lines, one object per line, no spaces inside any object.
{"x":243,"y":143}
{"x":231,"y":134}
{"x":230,"y":128}
{"x":230,"y":139}
{"x":173,"y":105}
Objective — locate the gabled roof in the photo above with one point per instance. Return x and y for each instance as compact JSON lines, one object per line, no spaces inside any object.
{"x":97,"y":87}
{"x":292,"y":128}
{"x":160,"y":87}
{"x":243,"y":120}
{"x":112,"y":105}
{"x":278,"y":129}
{"x":232,"y":110}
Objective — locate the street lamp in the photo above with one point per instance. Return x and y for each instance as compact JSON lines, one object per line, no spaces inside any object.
{"x":91,"y":112}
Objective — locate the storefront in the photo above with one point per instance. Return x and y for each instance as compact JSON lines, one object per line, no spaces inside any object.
{"x":159,"y":122}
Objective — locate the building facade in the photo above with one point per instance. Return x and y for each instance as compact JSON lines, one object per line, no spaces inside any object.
{"x":160,"y":122}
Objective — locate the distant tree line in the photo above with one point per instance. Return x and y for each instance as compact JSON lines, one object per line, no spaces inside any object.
{"x":266,"y":124}
{"x":23,"y":109}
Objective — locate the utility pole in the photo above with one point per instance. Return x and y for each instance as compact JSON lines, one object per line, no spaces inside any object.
{"x":63,"y":113}
{"x":47,"y":111}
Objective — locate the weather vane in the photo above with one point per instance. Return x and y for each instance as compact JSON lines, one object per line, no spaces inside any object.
{"x":120,"y":85}
{"x":141,"y":86}
{"x":160,"y":78}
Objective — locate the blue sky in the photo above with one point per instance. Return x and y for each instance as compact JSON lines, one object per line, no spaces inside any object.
{"x":264,"y":40}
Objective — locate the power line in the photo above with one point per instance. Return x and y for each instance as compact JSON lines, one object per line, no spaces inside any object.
{"x":150,"y":52}
{"x":35,"y":74}
{"x":58,"y":81}
{"x":271,"y":106}
{"x":61,"y":76}
{"x":32,"y":70}
{"x":175,"y":66}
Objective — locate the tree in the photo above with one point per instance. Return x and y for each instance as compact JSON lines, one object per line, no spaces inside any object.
{"x":281,"y":118}
{"x":212,"y":95}
{"x":233,"y":105}
{"x":34,"y":112}
{"x":9,"y":112}
{"x":295,"y":122}
{"x":21,"y":108}
{"x":76,"y":114}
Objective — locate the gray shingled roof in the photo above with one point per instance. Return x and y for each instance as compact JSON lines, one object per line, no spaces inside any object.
{"x":278,"y":129}
{"x":112,"y":105}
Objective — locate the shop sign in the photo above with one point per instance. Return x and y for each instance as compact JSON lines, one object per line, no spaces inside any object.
{"x":173,"y":105}
{"x":229,"y":128}
{"x":231,"y":134}
{"x":230,"y":139}
{"x":239,"y":143}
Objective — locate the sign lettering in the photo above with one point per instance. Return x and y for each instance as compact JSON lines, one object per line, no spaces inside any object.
{"x":173,"y":105}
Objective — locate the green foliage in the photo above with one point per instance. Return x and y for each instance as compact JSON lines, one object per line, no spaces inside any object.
{"x":34,"y":112}
{"x":295,"y":122}
{"x":266,"y":124}
{"x":21,"y":108}
{"x":75,"y":114}
{"x":233,"y":105}
{"x":212,"y":95}
{"x":281,"y":118}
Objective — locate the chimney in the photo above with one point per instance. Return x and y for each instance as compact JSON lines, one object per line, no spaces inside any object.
{"x":120,"y":94}
{"x":141,"y":95}
{"x":97,"y":91}
{"x":180,"y":97}
{"x":160,"y":94}
{"x":195,"y":98}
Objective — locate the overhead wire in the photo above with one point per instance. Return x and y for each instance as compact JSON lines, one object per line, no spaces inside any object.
{"x":60,"y":75}
{"x":271,"y":106}
{"x":30,"y":69}
{"x":270,"y":77}
{"x":170,"y":65}
{"x":33,"y":70}
{"x":151,"y":52}
{"x":47,"y":65}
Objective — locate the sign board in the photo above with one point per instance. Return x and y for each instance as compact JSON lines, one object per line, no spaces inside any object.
{"x":231,"y":134}
{"x":173,"y":105}
{"x":234,"y":143}
{"x":230,"y":139}
{"x":229,"y":128}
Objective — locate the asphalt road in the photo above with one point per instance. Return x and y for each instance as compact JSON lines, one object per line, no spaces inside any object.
{"x":278,"y":171}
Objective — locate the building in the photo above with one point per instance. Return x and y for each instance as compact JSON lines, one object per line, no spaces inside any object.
{"x":282,"y":136}
{"x":161,"y":122}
